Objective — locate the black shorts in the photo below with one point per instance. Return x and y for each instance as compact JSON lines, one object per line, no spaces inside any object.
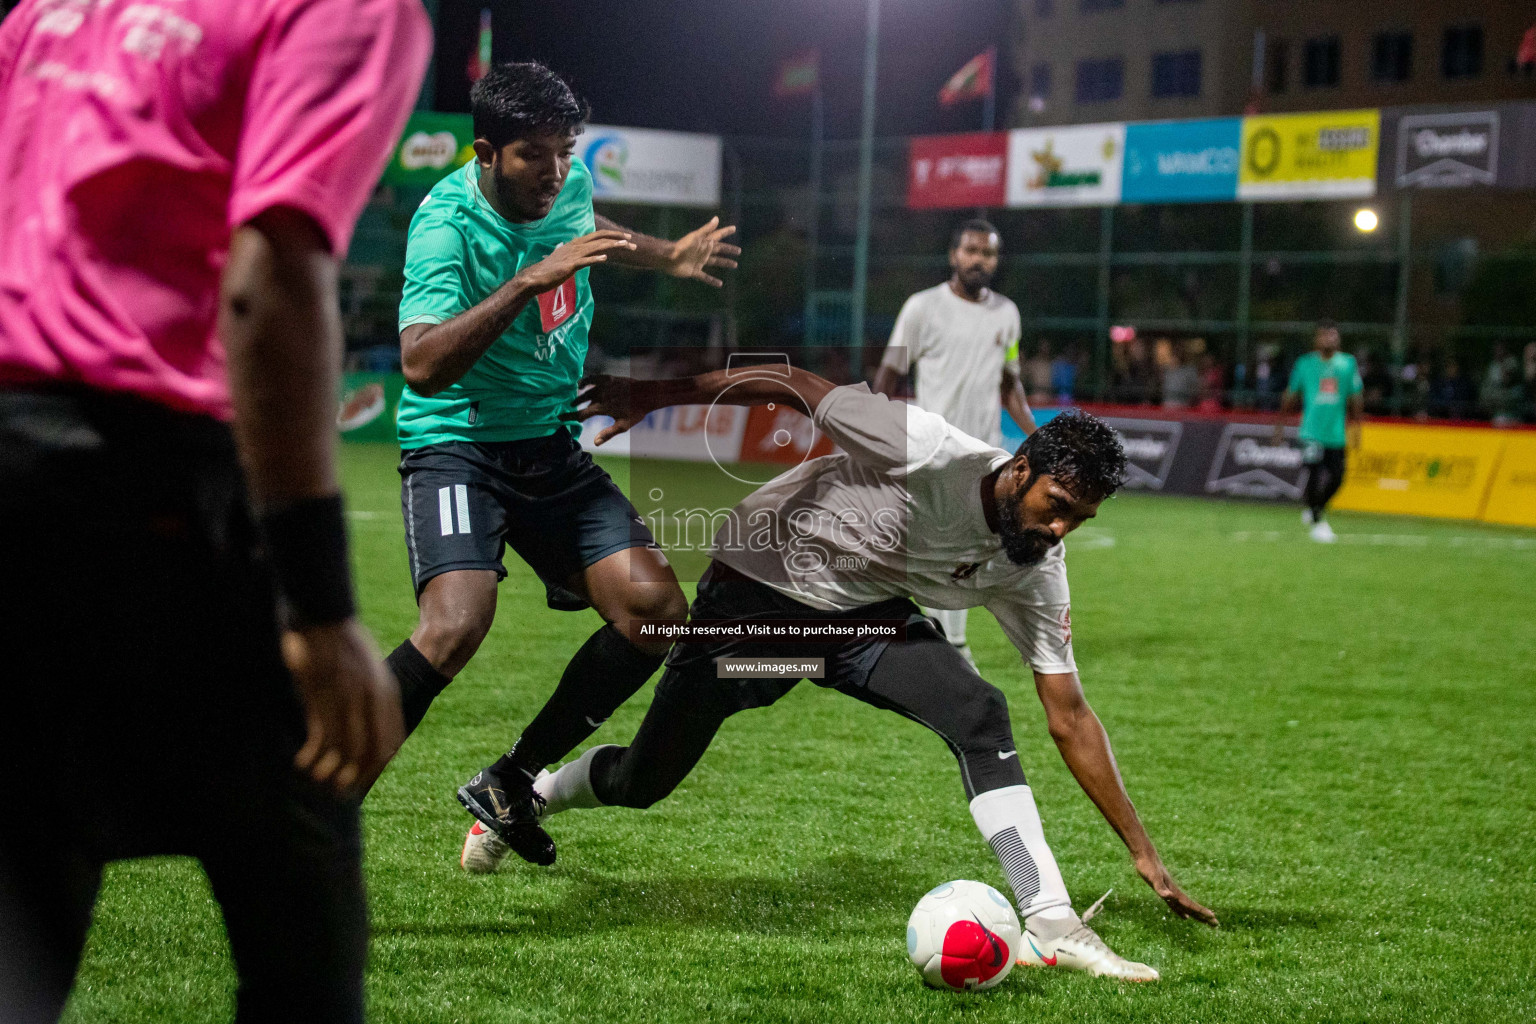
{"x":726,"y":595}
{"x":146,"y":704}
{"x":464,"y":502}
{"x":1331,"y":459}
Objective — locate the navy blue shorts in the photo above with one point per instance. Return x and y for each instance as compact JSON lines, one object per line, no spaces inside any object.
{"x":464,"y":502}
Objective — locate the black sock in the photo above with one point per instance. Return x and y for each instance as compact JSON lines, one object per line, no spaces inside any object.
{"x":419,"y":682}
{"x":604,"y":674}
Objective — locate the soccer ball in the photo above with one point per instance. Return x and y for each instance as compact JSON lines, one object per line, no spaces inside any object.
{"x":963,"y":936}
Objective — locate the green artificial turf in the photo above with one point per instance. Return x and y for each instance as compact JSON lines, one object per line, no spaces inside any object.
{"x":1334,"y":747}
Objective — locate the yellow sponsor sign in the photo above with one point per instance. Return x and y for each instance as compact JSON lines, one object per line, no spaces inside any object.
{"x":1298,"y":156}
{"x":1512,"y":497}
{"x":1421,"y":471}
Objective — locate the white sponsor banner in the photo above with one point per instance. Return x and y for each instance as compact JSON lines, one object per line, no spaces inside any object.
{"x":1074,"y":165}
{"x":692,"y":433}
{"x":641,"y":165}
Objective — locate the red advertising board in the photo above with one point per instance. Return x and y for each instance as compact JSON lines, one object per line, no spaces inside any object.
{"x":957,"y":171}
{"x":781,"y":435}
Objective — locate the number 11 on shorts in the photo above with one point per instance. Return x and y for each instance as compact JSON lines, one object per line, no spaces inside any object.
{"x":446,"y":498}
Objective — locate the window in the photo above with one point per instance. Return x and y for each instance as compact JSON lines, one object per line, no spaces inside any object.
{"x":1045,"y":8}
{"x":1176,"y":74}
{"x":1099,"y":81}
{"x":1320,"y":63}
{"x":1461,"y":55}
{"x":1277,"y":66}
{"x":1392,"y":57}
{"x":1099,"y":5}
{"x":1040,"y":82}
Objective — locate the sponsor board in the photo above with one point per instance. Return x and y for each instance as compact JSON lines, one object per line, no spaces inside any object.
{"x":1250,"y":463}
{"x":1330,"y":155}
{"x":1422,"y":471}
{"x":691,"y":433}
{"x":1151,"y":448}
{"x":1454,"y":147}
{"x":782,"y":435}
{"x":641,"y":165}
{"x":1512,"y":493}
{"x":1182,"y":161}
{"x":957,"y":171}
{"x":368,"y":406}
{"x":432,"y":145}
{"x":1075,"y":165}
{"x":1447,"y":150}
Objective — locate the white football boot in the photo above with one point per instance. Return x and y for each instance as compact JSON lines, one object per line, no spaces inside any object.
{"x":1079,"y":948}
{"x":1306,"y":517}
{"x":1323,"y":533}
{"x":483,"y":849}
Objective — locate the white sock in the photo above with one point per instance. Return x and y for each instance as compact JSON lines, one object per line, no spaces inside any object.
{"x":1010,"y":822}
{"x":953,"y":621}
{"x":571,"y":785}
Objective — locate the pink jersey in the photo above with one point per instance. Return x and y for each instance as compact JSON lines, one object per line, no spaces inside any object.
{"x":136,"y":135}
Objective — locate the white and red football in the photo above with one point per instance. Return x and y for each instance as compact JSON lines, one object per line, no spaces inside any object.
{"x":963,"y":936}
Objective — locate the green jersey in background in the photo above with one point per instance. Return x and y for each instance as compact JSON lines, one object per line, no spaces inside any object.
{"x":1325,"y":386}
{"x":458,"y":252}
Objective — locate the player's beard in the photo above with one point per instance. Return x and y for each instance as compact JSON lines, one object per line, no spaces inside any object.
{"x":974,"y":278}
{"x":1024,"y":545}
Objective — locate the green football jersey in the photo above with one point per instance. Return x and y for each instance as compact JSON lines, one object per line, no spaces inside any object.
{"x":458,"y":252}
{"x":1325,"y":386}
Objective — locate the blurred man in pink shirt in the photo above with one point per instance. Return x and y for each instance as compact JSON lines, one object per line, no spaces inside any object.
{"x":183,"y":669}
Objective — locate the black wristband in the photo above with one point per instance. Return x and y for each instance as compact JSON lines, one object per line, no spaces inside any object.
{"x":307,"y":545}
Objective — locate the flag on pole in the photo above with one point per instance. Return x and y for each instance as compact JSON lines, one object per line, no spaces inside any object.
{"x":1527,"y":53}
{"x":799,"y":75}
{"x":974,"y":81}
{"x":480,"y":59}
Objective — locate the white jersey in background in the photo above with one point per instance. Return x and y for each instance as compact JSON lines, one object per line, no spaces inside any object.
{"x":897,"y":513}
{"x":959,"y":348}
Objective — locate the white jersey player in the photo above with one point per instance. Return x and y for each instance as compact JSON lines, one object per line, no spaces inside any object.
{"x":963,"y":338}
{"x":835,"y":550}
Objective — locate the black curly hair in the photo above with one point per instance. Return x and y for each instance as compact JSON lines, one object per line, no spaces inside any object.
{"x":514,"y":101}
{"x":976,"y":224}
{"x":1080,"y":450}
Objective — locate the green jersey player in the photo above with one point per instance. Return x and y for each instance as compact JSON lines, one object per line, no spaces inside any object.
{"x":1328,"y":386}
{"x":493,"y":336}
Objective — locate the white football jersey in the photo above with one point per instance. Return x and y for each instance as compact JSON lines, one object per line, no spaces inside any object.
{"x":959,"y":348}
{"x":897,"y":513}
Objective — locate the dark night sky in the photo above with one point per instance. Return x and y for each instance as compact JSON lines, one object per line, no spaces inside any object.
{"x":709,"y":65}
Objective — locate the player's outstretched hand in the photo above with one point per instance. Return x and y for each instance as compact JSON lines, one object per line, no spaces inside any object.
{"x":1178,"y":901}
{"x":351,"y":704}
{"x":623,"y":398}
{"x":701,"y":249}
{"x":552,"y":270}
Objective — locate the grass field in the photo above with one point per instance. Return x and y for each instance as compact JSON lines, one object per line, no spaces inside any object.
{"x":1335,"y":748}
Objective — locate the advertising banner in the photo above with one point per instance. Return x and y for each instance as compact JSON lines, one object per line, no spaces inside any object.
{"x":692,"y":433}
{"x":1331,"y":155}
{"x":947,"y":172}
{"x":432,"y":145}
{"x":640,"y":165}
{"x":1454,"y":147}
{"x":368,"y":407}
{"x":1250,"y":463}
{"x":1151,"y":451}
{"x":1075,"y":165}
{"x":1421,"y":471}
{"x":1512,"y":495}
{"x":1182,"y":161}
{"x":782,"y":434}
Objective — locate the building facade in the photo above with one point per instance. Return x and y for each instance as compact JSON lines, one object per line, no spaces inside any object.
{"x":1081,"y":61}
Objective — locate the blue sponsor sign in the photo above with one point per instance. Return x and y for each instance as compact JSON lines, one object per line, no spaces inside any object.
{"x":1182,"y":161}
